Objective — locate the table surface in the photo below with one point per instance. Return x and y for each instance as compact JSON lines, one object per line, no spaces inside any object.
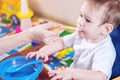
{"x":43,"y":75}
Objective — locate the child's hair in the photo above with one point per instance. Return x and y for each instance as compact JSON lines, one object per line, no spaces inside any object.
{"x":110,"y":8}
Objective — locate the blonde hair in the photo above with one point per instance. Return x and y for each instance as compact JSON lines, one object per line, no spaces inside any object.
{"x":111,"y":10}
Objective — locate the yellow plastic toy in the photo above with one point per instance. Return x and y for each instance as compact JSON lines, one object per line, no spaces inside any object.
{"x":25,"y":15}
{"x":24,"y":11}
{"x":11,"y":11}
{"x":0,"y":8}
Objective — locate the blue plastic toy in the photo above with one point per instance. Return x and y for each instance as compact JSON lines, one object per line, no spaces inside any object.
{"x":30,"y":72}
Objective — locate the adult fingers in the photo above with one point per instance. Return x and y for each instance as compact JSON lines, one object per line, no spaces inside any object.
{"x":60,"y":31}
{"x":51,"y":26}
{"x":56,"y":32}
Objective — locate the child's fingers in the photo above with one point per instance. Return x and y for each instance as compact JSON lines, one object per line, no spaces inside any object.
{"x":46,"y":58}
{"x":27,"y":56}
{"x":56,"y":77}
{"x":38,"y":56}
{"x":51,"y":75}
{"x":43,"y":56}
{"x":30,"y":55}
{"x":54,"y":72}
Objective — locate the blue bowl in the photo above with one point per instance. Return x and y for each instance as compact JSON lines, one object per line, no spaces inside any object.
{"x":30,"y":72}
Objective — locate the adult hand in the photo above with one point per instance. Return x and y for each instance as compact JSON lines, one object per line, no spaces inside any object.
{"x":45,"y":32}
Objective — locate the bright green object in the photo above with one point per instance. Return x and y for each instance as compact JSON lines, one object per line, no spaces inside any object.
{"x":66,"y":32}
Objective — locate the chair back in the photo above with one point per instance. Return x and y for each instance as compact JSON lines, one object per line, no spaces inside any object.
{"x":115,"y":35}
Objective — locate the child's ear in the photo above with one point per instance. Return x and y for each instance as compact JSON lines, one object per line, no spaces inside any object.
{"x":107,"y":28}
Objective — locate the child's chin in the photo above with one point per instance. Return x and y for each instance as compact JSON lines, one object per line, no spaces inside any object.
{"x":81,"y":35}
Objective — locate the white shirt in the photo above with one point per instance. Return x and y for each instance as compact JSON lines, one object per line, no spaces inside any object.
{"x":92,"y":56}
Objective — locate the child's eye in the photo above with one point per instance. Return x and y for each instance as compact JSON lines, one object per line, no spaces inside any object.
{"x":88,"y":20}
{"x":81,"y":15}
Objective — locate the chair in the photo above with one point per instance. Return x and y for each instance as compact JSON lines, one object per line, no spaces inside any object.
{"x":115,"y":35}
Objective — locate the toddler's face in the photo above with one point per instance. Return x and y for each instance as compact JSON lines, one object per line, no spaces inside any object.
{"x":88,"y":23}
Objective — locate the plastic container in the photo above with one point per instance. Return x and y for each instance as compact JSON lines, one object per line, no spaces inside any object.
{"x":30,"y":72}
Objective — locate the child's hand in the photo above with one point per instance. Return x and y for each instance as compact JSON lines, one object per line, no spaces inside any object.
{"x":60,"y":74}
{"x":38,"y":54}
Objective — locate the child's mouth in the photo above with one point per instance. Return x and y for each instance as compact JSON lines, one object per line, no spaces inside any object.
{"x":79,"y":30}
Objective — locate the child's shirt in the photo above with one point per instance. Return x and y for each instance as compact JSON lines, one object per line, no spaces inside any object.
{"x":92,"y":56}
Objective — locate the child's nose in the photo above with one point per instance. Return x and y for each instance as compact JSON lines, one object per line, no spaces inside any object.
{"x":81,"y":22}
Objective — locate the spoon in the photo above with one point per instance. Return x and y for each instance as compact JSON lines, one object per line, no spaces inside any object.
{"x":17,"y":68}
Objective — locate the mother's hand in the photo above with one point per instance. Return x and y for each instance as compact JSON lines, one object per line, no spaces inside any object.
{"x":45,"y":32}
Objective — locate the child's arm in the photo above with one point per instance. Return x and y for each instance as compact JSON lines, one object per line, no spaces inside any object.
{"x":48,"y":50}
{"x":77,"y":74}
{"x":54,"y":46}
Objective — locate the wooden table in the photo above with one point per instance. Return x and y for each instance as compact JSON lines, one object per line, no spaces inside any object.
{"x":43,"y":75}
